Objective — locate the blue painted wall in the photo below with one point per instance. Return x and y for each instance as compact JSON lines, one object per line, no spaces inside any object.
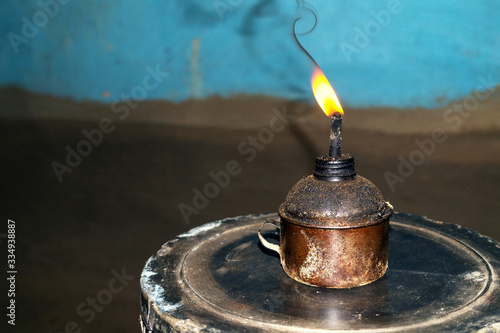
{"x":424,"y":53}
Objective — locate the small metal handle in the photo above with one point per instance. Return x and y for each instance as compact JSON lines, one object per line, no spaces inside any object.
{"x":264,"y":242}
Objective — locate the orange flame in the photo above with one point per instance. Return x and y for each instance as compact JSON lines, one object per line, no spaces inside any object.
{"x":324,"y":94}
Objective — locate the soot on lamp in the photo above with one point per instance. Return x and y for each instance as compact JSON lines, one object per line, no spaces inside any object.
{"x":334,"y":227}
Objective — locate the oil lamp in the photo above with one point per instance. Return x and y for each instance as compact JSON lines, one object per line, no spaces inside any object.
{"x":334,"y":224}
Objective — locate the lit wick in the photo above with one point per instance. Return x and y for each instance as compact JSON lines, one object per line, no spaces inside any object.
{"x":336,"y":136}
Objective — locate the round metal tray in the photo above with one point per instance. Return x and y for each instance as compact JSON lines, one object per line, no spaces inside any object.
{"x":217,"y":278}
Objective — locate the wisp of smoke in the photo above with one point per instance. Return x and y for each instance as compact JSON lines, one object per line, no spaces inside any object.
{"x":303,"y":7}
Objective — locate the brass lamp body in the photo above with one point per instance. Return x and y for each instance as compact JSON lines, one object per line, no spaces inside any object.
{"x":334,"y":228}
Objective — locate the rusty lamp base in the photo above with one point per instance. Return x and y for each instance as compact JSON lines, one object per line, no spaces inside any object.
{"x":341,"y":259}
{"x":334,"y":227}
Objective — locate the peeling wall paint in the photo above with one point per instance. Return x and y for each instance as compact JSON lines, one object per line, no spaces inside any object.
{"x":397,"y":53}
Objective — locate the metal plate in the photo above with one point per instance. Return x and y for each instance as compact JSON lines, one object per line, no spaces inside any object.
{"x":216,"y":278}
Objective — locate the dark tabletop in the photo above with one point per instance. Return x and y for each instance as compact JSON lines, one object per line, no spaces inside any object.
{"x":217,"y":278}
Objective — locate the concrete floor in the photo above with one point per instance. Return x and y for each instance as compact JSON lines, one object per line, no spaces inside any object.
{"x":120,"y":204}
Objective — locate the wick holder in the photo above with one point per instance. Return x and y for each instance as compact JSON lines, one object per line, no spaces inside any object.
{"x":334,"y":169}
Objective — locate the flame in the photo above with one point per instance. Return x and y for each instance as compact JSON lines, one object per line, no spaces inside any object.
{"x":324,"y":94}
